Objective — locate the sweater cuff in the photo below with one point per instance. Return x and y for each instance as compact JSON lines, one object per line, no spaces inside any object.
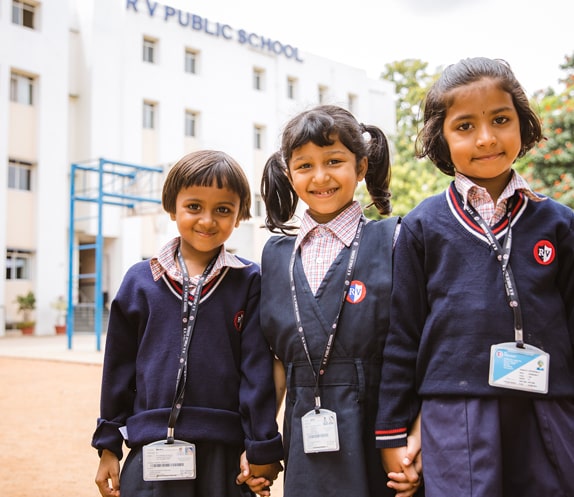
{"x":108,"y":436}
{"x":391,"y":438}
{"x":264,"y":452}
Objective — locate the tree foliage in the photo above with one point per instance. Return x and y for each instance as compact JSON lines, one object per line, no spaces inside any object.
{"x":412,"y":179}
{"x":549,"y":167}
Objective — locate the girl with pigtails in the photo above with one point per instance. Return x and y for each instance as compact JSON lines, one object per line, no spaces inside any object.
{"x":325,"y":304}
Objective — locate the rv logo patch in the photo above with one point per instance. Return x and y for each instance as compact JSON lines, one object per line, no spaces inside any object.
{"x":544,"y":252}
{"x":357,"y":292}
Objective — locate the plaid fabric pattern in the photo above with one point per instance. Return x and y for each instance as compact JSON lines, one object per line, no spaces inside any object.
{"x":481,"y":200}
{"x":166,"y":262}
{"x":321,"y":243}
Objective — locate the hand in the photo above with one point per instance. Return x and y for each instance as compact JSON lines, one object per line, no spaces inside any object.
{"x":259,"y":478}
{"x":109,"y":469}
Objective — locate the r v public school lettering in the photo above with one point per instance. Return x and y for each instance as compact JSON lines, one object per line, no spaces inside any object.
{"x":198,"y":23}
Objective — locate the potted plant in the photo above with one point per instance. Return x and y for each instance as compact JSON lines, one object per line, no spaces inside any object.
{"x":26,"y":304}
{"x":61,"y":307}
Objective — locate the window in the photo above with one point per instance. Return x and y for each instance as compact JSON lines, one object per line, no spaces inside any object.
{"x":19,"y":175}
{"x":191,"y":60}
{"x":18,"y":264}
{"x":291,"y":88}
{"x":322,"y":94}
{"x":258,"y":137}
{"x":149,"y":109}
{"x":149,"y":50}
{"x":23,"y":13}
{"x":351,"y":103}
{"x":191,"y":118}
{"x":21,"y":89}
{"x":258,"y":76}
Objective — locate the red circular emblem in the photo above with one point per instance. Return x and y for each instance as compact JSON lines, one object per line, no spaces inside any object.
{"x":357,"y":292}
{"x":544,"y":252}
{"x":238,"y":320}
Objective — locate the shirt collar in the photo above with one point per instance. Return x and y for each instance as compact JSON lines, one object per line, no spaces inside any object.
{"x":344,"y":226}
{"x":165,"y":262}
{"x":468,"y":188}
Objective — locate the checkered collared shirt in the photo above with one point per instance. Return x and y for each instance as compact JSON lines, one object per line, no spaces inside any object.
{"x":166,"y":262}
{"x":321,"y":243}
{"x":481,"y":200}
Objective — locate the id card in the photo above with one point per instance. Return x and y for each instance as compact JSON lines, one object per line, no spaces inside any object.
{"x":163,"y":461}
{"x":519,"y":368}
{"x":320,"y":432}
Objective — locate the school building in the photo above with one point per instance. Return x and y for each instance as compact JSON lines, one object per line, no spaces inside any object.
{"x":99,"y":97}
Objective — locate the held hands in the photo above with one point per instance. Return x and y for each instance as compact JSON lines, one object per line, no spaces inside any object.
{"x":259,"y":477}
{"x":404,"y":464}
{"x":109,"y":469}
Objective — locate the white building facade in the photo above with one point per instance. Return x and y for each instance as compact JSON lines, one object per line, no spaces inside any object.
{"x":137,"y":82}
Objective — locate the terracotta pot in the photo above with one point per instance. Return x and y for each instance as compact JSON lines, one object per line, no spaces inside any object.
{"x":60,"y":329}
{"x":28,"y":330}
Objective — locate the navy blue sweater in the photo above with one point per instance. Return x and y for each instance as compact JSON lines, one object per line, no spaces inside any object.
{"x":229,"y":396}
{"x":449,"y":305}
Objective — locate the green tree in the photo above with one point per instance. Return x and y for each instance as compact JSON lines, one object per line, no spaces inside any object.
{"x":549,"y":167}
{"x":412,"y":179}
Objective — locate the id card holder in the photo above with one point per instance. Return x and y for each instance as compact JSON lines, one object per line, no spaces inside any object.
{"x":320,"y":432}
{"x":519,"y":368}
{"x":163,"y":461}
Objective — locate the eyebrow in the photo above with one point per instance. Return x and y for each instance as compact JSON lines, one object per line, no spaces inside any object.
{"x":329,"y":152}
{"x":498,"y":110}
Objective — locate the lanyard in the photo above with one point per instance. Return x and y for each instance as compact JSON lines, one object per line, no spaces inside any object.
{"x":503,"y":256}
{"x":188,"y":319}
{"x":331,"y":338}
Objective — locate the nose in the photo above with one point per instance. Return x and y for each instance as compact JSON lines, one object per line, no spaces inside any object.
{"x":321,"y":175}
{"x":207,"y":219}
{"x":485,"y":136}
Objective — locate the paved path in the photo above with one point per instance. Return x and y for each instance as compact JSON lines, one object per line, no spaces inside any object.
{"x":53,"y":347}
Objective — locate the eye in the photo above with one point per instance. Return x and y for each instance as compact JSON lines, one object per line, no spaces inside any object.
{"x":464,"y":126}
{"x":501,"y":120}
{"x":334,"y":162}
{"x":194,"y":207}
{"x":223,"y":210}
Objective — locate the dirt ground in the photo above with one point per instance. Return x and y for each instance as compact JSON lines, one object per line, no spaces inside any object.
{"x":48,"y":411}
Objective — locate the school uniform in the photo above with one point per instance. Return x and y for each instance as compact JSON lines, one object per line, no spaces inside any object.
{"x":449,"y":305}
{"x":229,"y":399}
{"x":349,"y":385}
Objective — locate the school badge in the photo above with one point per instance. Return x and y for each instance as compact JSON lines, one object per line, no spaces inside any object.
{"x":357,"y":292}
{"x":544,"y":252}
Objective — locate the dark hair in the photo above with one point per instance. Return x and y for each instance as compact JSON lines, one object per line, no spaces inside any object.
{"x":431,"y":142}
{"x":204,"y":168}
{"x":322,"y":125}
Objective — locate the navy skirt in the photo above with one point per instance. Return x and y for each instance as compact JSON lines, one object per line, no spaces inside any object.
{"x":498,"y":447}
{"x":217,"y":466}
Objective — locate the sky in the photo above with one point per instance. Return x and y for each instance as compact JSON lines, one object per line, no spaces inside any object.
{"x":533,"y":36}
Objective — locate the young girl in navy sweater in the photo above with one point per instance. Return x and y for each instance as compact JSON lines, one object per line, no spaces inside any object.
{"x":188,"y":376}
{"x":482,"y":313}
{"x":326,"y":287}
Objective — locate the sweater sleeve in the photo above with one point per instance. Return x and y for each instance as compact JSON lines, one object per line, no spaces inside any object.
{"x":398,"y":400}
{"x":118,"y":376}
{"x":257,"y":389}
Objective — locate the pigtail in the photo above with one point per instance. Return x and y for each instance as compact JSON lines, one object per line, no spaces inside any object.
{"x":378,"y":176}
{"x":279,"y":197}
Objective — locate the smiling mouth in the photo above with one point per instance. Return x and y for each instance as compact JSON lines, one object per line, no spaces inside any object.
{"x":324,"y":193}
{"x":489,"y":157}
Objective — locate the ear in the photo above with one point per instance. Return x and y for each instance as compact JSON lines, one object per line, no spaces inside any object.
{"x":237,"y":222}
{"x":172,"y":216}
{"x":362,"y":167}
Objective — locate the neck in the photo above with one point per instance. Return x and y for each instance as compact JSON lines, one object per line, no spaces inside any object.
{"x":196,"y":262}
